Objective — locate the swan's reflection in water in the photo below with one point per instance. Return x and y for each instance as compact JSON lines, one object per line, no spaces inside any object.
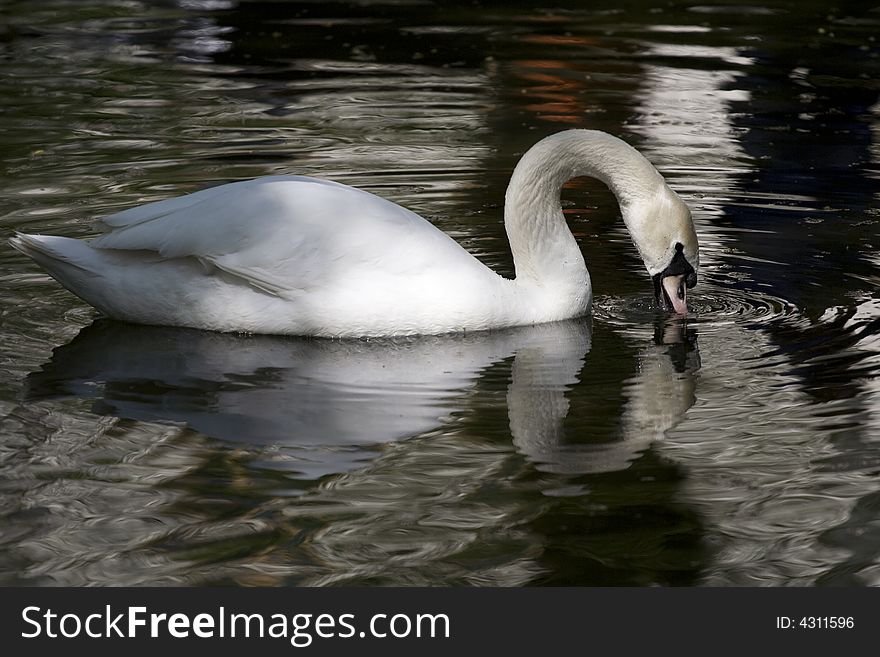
{"x":402,"y":468}
{"x":656,"y":398}
{"x":332,"y":397}
{"x":664,"y":387}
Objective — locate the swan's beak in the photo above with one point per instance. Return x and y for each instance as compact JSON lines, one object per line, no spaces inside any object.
{"x":675,"y":292}
{"x":670,"y":285}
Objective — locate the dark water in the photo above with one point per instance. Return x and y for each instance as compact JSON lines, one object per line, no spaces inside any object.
{"x":739,"y":447}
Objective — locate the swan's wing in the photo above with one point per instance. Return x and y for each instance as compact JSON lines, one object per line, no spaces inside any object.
{"x":286,"y":234}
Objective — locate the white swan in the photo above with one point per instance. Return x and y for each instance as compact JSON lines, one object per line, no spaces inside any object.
{"x":303,"y":256}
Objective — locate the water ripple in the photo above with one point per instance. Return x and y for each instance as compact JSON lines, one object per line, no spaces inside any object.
{"x":711,"y":307}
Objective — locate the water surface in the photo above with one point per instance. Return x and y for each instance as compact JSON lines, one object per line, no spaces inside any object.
{"x":739,"y":446}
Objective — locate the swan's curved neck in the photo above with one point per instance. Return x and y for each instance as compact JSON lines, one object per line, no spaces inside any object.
{"x":544,"y":250}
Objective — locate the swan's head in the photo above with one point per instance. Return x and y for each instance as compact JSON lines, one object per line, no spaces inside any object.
{"x":663,"y":231}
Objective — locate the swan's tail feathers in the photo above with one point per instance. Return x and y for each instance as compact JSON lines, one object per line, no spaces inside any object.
{"x":57,"y":254}
{"x":71,"y":262}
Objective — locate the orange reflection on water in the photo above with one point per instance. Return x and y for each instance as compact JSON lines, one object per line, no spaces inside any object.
{"x":551,"y":95}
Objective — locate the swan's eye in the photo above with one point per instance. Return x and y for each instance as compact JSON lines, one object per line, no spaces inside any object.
{"x":692,"y":279}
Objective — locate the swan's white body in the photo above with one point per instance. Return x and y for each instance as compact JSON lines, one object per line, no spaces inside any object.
{"x":303,"y":256}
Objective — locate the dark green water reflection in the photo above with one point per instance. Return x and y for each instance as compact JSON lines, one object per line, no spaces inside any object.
{"x":738,"y":447}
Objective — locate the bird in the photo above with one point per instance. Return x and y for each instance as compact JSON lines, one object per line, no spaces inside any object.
{"x":296,"y":255}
